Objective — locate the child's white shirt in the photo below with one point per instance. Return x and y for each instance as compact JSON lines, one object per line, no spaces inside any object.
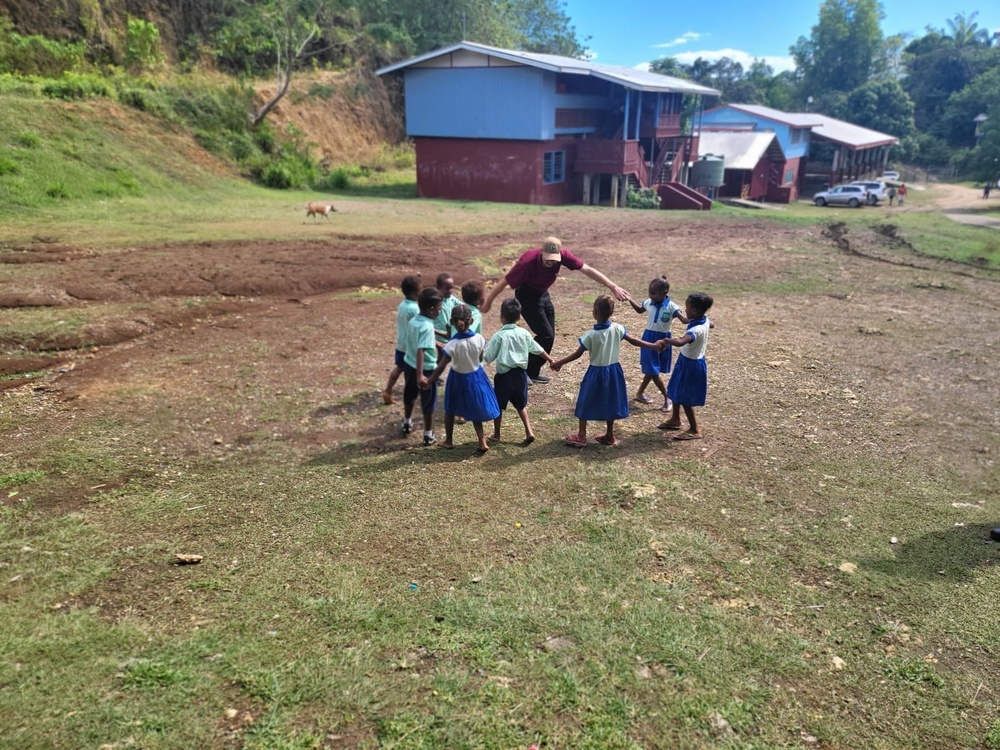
{"x":659,"y":318}
{"x":696,"y":348}
{"x":466,"y":352}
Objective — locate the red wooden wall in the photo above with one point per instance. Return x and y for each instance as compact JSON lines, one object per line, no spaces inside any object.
{"x":493,"y":170}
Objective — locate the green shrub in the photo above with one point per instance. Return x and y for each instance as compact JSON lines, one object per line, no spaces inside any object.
{"x":36,"y":55}
{"x":26,"y":86}
{"x":276,"y":176}
{"x":127,"y":180}
{"x":263,"y":136}
{"x":642,"y":198}
{"x":142,"y":44}
{"x":8,"y":166}
{"x":56,"y":190}
{"x":241,"y":147}
{"x":28,"y":139}
{"x":145,"y":100}
{"x":338,"y":179}
{"x":77,"y":86}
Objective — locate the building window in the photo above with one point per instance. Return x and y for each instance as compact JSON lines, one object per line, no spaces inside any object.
{"x":789,"y":176}
{"x":796,"y":135}
{"x":553,"y":167}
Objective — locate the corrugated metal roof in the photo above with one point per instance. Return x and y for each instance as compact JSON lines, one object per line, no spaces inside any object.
{"x":795,"y":119}
{"x":740,"y":150}
{"x":631,"y":78}
{"x":824,"y":126}
{"x":854,"y":136}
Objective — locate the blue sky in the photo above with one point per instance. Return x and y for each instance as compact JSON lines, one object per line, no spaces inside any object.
{"x":633,"y":32}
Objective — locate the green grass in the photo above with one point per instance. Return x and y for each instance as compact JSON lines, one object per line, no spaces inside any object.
{"x":663,"y":625}
{"x":646,"y":598}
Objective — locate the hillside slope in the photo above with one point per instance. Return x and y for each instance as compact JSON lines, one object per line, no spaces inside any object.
{"x":347,"y":116}
{"x":96,"y":149}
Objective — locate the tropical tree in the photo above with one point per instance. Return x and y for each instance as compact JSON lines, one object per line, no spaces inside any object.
{"x":880,"y":105}
{"x":294,"y":26}
{"x":962,"y":107}
{"x":844,"y":49}
{"x":938,"y":66}
{"x":963,"y":31}
{"x":670,"y":66}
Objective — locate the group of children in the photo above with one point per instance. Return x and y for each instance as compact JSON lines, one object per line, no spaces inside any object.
{"x":435,"y":329}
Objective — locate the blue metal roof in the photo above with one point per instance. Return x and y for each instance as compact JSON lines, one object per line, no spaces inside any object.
{"x":630,"y":78}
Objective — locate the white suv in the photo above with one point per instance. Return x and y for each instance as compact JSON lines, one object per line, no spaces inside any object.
{"x":874,"y":188}
{"x":842,"y":195}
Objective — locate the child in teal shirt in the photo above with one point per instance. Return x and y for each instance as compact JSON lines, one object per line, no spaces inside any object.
{"x":404,"y":314}
{"x":509,"y":348}
{"x":419,"y":362}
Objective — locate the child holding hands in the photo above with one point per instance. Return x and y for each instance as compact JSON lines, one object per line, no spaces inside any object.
{"x":509,"y":348}
{"x":419,"y":362}
{"x":467,"y":392}
{"x":603,"y":394}
{"x":661,"y":310}
{"x":407,"y":309}
{"x":688,"y":385}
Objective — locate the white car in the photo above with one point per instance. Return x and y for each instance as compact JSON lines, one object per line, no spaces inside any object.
{"x":842,"y":195}
{"x":874,"y":188}
{"x":890,"y":175}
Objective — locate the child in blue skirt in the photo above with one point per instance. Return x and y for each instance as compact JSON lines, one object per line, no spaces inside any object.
{"x":660,"y":312}
{"x":467,"y":392}
{"x":603,"y":394}
{"x":688,"y":385}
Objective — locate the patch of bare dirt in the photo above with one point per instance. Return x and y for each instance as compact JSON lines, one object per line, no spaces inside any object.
{"x":242,"y":346}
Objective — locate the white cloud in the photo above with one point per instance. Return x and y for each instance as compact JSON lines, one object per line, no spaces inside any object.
{"x":688,"y":36}
{"x":780,"y":63}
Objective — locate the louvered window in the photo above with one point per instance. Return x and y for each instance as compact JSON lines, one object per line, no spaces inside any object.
{"x":553,"y":167}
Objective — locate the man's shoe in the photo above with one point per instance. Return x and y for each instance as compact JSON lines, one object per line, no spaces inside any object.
{"x":539,"y":379}
{"x":430,"y":439}
{"x":407,"y":428}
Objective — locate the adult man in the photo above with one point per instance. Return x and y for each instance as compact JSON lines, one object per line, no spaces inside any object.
{"x":530,"y":278}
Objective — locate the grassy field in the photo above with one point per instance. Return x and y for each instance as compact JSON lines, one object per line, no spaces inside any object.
{"x":816,"y":574}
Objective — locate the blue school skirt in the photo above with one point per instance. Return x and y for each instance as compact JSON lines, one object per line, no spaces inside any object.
{"x":470,"y":396}
{"x":603,"y":394}
{"x":688,"y":384}
{"x":654,"y":362}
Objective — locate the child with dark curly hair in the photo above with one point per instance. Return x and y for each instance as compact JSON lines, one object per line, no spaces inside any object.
{"x":603,"y":393}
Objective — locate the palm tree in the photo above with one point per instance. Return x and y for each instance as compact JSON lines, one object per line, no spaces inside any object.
{"x":965,"y":32}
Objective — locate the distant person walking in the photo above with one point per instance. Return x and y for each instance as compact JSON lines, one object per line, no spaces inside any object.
{"x":530,"y":278}
{"x":902,"y":193}
{"x":986,"y":190}
{"x":892,"y":194}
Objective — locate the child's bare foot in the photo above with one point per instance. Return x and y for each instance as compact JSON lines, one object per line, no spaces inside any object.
{"x":688,"y":436}
{"x":482,"y":448}
{"x":668,"y":425}
{"x":447,"y":444}
{"x":387,"y":398}
{"x":528,"y":439}
{"x":494,"y":438}
{"x":667,"y":405}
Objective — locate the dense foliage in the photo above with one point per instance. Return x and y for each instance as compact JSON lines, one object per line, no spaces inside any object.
{"x":927,"y":91}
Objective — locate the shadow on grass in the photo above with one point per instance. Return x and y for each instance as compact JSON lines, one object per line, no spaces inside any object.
{"x":953,"y":554}
{"x":500,"y":458}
